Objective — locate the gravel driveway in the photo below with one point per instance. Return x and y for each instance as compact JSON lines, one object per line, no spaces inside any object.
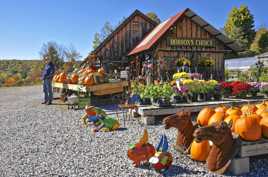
{"x":38,"y":140}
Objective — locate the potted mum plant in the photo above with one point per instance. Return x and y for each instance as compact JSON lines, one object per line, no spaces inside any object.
{"x":161,"y":95}
{"x":145,"y":96}
{"x":179,"y":94}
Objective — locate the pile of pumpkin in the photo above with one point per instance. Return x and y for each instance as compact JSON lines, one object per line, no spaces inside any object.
{"x":85,"y":76}
{"x":249,"y":121}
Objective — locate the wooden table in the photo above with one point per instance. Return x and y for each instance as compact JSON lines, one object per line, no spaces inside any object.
{"x":149,"y":113}
{"x":93,"y":92}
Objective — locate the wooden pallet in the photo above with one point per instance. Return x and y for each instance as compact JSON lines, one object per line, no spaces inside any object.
{"x":241,"y":164}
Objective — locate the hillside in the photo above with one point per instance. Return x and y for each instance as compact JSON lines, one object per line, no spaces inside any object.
{"x":20,"y":72}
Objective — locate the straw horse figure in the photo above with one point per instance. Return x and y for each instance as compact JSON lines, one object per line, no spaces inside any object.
{"x":224,"y":145}
{"x":183,"y":123}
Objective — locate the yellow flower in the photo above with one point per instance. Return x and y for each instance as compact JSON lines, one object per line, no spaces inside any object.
{"x":187,"y":81}
{"x":180,"y":75}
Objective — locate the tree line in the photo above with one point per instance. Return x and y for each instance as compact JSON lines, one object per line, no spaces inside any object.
{"x":28,"y":72}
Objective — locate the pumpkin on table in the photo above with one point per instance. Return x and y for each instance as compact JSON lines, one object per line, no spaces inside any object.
{"x":232,"y":119}
{"x":221,"y":108}
{"x":233,"y":111}
{"x":62,"y":77}
{"x":204,"y":115}
{"x":89,"y":80}
{"x":74,"y":78}
{"x":217,"y":117}
{"x":248,"y":108}
{"x":248,"y":127}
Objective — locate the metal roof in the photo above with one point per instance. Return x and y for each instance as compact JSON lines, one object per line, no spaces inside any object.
{"x":161,"y":29}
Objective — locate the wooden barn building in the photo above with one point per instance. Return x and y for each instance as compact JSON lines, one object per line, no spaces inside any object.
{"x":113,"y":51}
{"x":184,"y":35}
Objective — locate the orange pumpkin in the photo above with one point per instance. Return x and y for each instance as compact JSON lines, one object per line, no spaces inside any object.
{"x":233,"y":111}
{"x":221,"y":108}
{"x":55,"y":78}
{"x":248,"y":128}
{"x":74,"y":78}
{"x":264,"y":115}
{"x":264,"y":126}
{"x":262,"y":109}
{"x":89,"y":80}
{"x":62,"y":77}
{"x":248,"y":108}
{"x":204,"y":115}
{"x":217,"y":117}
{"x":232,"y":118}
{"x":260,"y":104}
{"x":199,"y":151}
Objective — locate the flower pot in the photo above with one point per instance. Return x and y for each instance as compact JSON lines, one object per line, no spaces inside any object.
{"x":201,"y":97}
{"x":193,"y":97}
{"x":161,"y":102}
{"x":241,"y":95}
{"x":217,"y":96}
{"x":145,"y":101}
{"x":208,"y":96}
{"x":178,"y":99}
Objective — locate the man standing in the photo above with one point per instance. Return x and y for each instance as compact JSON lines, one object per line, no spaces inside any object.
{"x":47,"y":76}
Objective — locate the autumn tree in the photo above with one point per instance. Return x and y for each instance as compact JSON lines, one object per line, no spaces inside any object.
{"x":260,"y":43}
{"x":240,"y":26}
{"x":54,"y":52}
{"x":153,"y":16}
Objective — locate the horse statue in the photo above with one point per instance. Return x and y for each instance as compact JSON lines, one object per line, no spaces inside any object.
{"x":224,"y":146}
{"x":183,"y":123}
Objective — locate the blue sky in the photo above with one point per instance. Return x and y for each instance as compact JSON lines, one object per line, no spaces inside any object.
{"x":26,"y":24}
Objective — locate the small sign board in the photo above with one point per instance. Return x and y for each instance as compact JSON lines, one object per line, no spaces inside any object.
{"x":124,"y":74}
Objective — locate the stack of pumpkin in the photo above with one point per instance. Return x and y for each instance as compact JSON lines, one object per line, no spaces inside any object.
{"x":250,"y":121}
{"x":86,"y":76}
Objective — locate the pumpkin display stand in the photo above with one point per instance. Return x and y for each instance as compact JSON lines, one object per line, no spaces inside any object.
{"x":94,"y":93}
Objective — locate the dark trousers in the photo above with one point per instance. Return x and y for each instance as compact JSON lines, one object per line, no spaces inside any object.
{"x":47,"y":88}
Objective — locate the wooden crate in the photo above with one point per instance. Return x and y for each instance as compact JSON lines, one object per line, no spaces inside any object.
{"x":254,"y":148}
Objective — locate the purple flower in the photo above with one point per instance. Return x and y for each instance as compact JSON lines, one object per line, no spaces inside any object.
{"x":183,"y":89}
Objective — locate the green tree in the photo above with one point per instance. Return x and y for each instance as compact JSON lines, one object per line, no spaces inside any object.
{"x":240,"y":26}
{"x":54,"y":52}
{"x":260,"y":43}
{"x":153,"y":16}
{"x":106,"y":30}
{"x":96,"y":41}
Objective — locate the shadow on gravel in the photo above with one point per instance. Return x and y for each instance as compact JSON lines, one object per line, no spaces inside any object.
{"x":175,"y":170}
{"x":121,"y":129}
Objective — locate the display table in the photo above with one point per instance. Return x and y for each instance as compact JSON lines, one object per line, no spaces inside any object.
{"x":99,"y":89}
{"x":150,"y":113}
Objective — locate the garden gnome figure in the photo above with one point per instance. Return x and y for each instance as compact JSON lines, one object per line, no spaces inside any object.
{"x":47,"y":76}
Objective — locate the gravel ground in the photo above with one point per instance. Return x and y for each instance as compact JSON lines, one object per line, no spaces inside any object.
{"x":43,"y":141}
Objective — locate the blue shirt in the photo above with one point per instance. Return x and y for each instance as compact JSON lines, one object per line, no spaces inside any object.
{"x":48,"y":71}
